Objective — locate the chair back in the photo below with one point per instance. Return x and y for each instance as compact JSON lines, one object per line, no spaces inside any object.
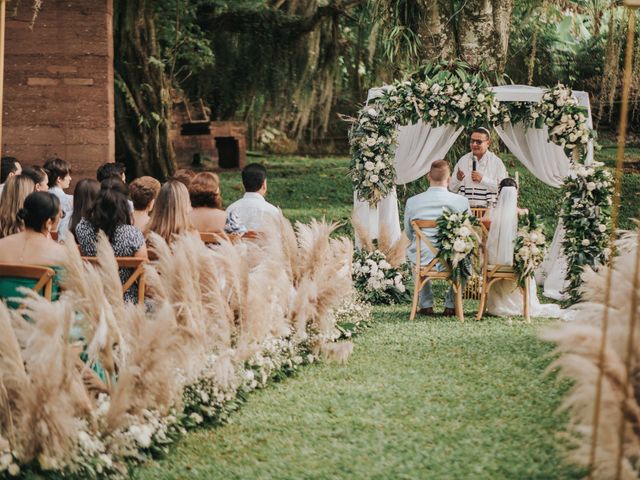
{"x":135,"y":263}
{"x":43,"y":276}
{"x":213,"y":237}
{"x":479,"y":212}
{"x":421,"y":237}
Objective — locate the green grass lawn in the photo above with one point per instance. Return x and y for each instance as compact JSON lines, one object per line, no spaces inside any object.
{"x":426,"y":399}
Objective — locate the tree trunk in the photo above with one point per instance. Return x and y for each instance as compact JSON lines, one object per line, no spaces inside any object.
{"x":142,"y":99}
{"x":477,"y":33}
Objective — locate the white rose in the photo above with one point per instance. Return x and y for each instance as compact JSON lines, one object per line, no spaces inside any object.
{"x":480,"y":97}
{"x":535,"y":114}
{"x":369,"y":166}
{"x":534,"y":250}
{"x":433,"y":113}
{"x":371,"y":141}
{"x":602,"y":228}
{"x":401,"y":288}
{"x":384,"y":264}
{"x":435,"y":89}
{"x":449,"y":90}
{"x":524,"y":253}
{"x":14,"y":470}
{"x":5,"y":460}
{"x":459,"y":246}
{"x":464,"y":232}
{"x":372,"y":112}
{"x":534,"y":237}
{"x":143,"y":436}
{"x":591,"y":186}
{"x":453,"y":218}
{"x":374,"y":178}
{"x":586,"y":242}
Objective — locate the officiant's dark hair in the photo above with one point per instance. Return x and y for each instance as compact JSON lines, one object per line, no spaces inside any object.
{"x":507,"y":182}
{"x":253,"y":176}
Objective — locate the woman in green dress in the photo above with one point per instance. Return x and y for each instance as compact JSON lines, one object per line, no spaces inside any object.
{"x":40,"y":215}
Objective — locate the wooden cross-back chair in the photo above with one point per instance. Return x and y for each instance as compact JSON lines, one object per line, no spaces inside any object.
{"x":42,"y":275}
{"x":135,"y":263}
{"x":213,"y":237}
{"x":473,"y":288}
{"x":492,"y":274}
{"x":430,"y":272}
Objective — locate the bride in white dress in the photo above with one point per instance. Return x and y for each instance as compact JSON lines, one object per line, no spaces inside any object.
{"x":505,"y":298}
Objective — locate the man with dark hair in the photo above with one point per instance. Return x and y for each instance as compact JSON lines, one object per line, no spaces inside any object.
{"x":252,"y":208}
{"x":111,"y":169}
{"x":478,"y":173}
{"x":9,"y":167}
{"x":429,"y":205}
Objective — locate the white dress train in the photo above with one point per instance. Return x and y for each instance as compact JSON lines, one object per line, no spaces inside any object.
{"x":505,"y":300}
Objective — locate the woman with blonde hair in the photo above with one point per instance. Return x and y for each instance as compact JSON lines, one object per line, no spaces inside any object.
{"x":170,"y":216}
{"x":16,"y":190}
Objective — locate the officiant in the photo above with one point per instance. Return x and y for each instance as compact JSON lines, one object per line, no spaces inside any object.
{"x":478,"y":173}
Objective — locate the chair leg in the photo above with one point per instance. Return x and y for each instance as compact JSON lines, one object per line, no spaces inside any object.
{"x":525,"y":296}
{"x":483,"y":299}
{"x":416,"y":295}
{"x":459,"y":308}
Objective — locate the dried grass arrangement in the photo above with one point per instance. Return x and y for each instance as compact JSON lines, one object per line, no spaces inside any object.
{"x":222,"y":321}
{"x":617,"y":442}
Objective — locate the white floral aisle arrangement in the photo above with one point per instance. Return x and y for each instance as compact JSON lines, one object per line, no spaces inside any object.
{"x":226,"y":321}
{"x":381,"y":273}
{"x":458,"y":243}
{"x":377,"y":280}
{"x":586,"y":215}
{"x":530,"y":247}
{"x":353,"y":316}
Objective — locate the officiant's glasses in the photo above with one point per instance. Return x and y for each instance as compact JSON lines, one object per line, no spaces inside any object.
{"x":477,"y":141}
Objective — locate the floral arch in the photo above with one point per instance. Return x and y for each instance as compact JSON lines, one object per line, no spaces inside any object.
{"x":407,"y":125}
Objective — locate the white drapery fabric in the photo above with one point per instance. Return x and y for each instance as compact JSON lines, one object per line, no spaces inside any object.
{"x":419,"y":145}
{"x":546,"y":160}
{"x":504,"y":228}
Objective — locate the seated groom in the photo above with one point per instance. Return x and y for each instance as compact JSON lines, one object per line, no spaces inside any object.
{"x":478,"y":173}
{"x":252,"y":209}
{"x":429,"y":205}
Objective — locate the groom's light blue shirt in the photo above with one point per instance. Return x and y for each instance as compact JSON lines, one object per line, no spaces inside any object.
{"x":429,"y":205}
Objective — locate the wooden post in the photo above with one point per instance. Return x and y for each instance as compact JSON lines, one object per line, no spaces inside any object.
{"x":3,"y":5}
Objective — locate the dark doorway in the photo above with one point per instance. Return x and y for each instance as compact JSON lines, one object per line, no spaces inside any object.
{"x":228,"y":152}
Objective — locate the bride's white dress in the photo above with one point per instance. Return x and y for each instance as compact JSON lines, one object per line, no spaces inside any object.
{"x":505,"y":299}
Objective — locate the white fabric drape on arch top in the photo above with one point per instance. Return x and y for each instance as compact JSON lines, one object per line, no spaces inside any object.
{"x":420,"y":144}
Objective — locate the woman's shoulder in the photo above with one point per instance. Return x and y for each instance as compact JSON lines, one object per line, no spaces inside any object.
{"x":128,"y":234}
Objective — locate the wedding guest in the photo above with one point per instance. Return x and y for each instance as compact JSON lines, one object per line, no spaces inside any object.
{"x":11,"y":201}
{"x":84,"y":196}
{"x":478,"y":173}
{"x":184,"y":176}
{"x":170,"y":216}
{"x":111,"y":214}
{"x":9,"y":167}
{"x":207,"y":214}
{"x":429,"y":205}
{"x":39,"y":177}
{"x":111,"y":169}
{"x":143,"y":192}
{"x":252,"y":208}
{"x":59,"y":173}
{"x":33,"y":245}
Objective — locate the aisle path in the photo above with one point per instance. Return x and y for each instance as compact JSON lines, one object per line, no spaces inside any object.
{"x":430,"y":399}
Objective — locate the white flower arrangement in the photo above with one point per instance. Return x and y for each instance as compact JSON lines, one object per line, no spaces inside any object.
{"x":530,"y":248}
{"x":458,"y":243}
{"x":377,"y":280}
{"x":586,"y":214}
{"x":352,"y":316}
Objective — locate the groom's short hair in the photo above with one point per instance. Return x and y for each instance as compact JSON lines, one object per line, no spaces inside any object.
{"x":440,"y":171}
{"x":253,"y":176}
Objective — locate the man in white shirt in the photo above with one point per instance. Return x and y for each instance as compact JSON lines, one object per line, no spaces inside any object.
{"x":478,"y":173}
{"x":9,"y":167}
{"x":252,"y":209}
{"x":59,"y":173}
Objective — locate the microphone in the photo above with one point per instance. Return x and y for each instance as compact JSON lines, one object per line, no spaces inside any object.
{"x":474,"y":164}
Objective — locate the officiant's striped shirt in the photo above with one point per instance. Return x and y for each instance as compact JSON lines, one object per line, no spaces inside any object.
{"x":479,"y":194}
